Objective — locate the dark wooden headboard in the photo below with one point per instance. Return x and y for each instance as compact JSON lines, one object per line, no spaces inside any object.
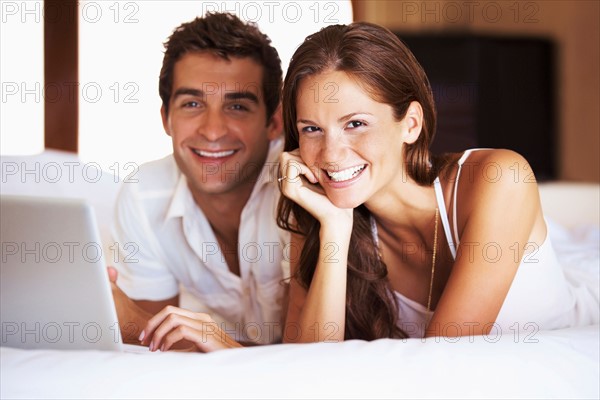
{"x":492,"y":92}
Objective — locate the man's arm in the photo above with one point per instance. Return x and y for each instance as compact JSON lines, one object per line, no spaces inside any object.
{"x":134,"y":314}
{"x":132,"y":230}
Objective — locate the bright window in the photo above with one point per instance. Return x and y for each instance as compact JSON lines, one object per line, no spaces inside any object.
{"x":22,"y":77}
{"x":121,"y":52}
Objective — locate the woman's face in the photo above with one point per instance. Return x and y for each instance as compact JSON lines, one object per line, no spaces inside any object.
{"x":352,"y":143}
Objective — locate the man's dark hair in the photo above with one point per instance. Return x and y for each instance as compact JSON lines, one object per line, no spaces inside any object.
{"x":223,"y":35}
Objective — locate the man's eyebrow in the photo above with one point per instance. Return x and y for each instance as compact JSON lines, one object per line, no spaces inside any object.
{"x":228,"y":95}
{"x":188,"y":91}
{"x":241,"y":96}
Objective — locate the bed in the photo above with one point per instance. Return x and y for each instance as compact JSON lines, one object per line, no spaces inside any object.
{"x":559,"y":364}
{"x":534,"y":364}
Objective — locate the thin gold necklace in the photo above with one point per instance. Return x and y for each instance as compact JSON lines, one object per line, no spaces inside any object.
{"x":435,"y":234}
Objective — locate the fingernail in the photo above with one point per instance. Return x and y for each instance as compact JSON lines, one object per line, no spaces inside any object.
{"x":141,"y":338}
{"x":151,"y":347}
{"x":162,"y":348}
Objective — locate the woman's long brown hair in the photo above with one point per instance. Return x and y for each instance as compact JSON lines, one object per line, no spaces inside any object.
{"x":390,"y":74}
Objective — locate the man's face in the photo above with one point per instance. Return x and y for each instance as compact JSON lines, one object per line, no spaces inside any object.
{"x":217,"y":122}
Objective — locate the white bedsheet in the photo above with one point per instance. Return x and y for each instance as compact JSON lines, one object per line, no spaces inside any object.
{"x":551,"y":364}
{"x":557,"y":364}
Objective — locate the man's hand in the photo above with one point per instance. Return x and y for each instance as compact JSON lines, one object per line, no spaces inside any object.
{"x":174,"y":325}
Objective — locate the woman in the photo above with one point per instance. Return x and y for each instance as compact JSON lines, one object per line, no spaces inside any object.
{"x":395,"y":241}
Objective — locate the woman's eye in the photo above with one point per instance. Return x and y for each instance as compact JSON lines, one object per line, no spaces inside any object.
{"x":354,"y":124}
{"x":310,"y":129}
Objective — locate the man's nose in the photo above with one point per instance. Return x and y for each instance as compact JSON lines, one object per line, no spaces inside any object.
{"x":213,"y":125}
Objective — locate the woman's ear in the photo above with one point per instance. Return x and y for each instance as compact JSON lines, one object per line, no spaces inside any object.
{"x":165,"y":120}
{"x":414,"y":122}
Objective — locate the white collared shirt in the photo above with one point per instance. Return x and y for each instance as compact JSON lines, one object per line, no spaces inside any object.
{"x":166,"y":247}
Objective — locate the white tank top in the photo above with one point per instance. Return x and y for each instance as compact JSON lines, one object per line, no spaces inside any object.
{"x":540,"y":297}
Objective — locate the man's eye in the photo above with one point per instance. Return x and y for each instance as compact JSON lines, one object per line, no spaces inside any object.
{"x":355,"y":124}
{"x":239,"y":107}
{"x":190,"y":104}
{"x":310,"y":129}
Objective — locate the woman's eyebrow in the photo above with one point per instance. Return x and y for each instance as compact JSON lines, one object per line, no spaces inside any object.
{"x":340,"y":120}
{"x":306,"y":122}
{"x":348,"y":116}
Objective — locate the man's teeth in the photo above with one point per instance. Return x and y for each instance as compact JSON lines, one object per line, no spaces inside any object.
{"x":345,"y":174}
{"x":214,"y":154}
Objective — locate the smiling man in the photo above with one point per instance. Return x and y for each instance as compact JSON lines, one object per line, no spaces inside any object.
{"x":200,"y":222}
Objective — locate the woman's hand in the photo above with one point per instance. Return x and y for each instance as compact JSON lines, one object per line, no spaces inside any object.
{"x":300,"y":184}
{"x":173,"y":325}
{"x":323,"y":306}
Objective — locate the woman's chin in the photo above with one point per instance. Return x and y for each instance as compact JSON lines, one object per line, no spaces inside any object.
{"x":345,"y":201}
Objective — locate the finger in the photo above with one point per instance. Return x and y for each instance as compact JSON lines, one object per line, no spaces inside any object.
{"x":292,"y":167}
{"x":154,"y":322}
{"x":209,"y":338}
{"x":174,"y":320}
{"x":295,"y":170}
{"x":173,"y":337}
{"x":206,"y":339}
{"x":194,"y":331}
{"x":171,"y":322}
{"x":112,"y":274}
{"x":173,"y":325}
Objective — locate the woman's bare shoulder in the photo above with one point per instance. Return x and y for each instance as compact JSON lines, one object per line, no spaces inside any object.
{"x":487,"y":166}
{"x":490,"y":178}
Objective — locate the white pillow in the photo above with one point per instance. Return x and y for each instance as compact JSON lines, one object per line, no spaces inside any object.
{"x":571,"y":203}
{"x":56,"y":173}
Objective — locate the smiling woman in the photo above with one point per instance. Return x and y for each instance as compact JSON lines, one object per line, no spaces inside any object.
{"x":370,"y":206}
{"x":351,"y":139}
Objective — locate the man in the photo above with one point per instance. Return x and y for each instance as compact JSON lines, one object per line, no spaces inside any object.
{"x":203,"y":218}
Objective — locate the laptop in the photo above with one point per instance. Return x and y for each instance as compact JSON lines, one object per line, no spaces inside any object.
{"x":55,"y":292}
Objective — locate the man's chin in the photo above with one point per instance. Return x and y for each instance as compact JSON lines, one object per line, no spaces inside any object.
{"x":216,"y":186}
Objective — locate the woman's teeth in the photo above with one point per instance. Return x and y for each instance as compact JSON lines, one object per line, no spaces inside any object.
{"x":345,"y":174}
{"x":214,"y":154}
